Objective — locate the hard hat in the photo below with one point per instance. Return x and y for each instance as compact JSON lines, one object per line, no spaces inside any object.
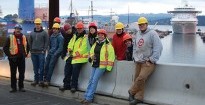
{"x":79,"y":25}
{"x":67,"y":26}
{"x":92,"y":24}
{"x":18,"y":26}
{"x":102,"y":31}
{"x":57,"y":20}
{"x":126,"y":37}
{"x":56,"y":25}
{"x":37,"y":21}
{"x":119,"y":25}
{"x":142,"y":20}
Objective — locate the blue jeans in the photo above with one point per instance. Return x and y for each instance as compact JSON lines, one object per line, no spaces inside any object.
{"x":93,"y":82}
{"x":38,"y":61}
{"x":50,"y":64}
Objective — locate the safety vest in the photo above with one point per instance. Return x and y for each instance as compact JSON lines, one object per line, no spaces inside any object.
{"x":107,"y":56}
{"x":79,"y":49}
{"x":14,"y":47}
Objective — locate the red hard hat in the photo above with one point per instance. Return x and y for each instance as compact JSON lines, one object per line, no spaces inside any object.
{"x":57,"y":20}
{"x":126,"y":37}
{"x":92,"y":24}
{"x":67,"y":27}
{"x":102,"y":31}
{"x":79,"y":25}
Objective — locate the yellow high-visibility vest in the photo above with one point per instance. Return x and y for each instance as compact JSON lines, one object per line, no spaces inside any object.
{"x":13,"y":45}
{"x":107,"y":56}
{"x":79,"y":49}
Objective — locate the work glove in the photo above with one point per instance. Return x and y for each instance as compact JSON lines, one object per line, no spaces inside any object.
{"x":90,"y":59}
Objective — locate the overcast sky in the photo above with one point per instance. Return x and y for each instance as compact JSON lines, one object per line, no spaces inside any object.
{"x":103,"y":7}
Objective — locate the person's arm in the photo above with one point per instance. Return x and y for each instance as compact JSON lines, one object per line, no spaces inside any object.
{"x":6,"y":47}
{"x":30,"y":40}
{"x":111,"y":57}
{"x":157,"y":48}
{"x":46,"y":41}
{"x":27,"y":47}
{"x":60,"y":45}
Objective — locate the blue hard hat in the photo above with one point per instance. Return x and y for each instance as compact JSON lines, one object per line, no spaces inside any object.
{"x":18,"y":26}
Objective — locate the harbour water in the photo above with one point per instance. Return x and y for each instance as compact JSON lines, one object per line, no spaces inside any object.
{"x":182,"y":48}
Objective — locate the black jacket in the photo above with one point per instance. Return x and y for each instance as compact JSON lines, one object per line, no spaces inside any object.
{"x":21,"y":51}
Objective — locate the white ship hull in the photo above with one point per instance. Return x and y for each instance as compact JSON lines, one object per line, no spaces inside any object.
{"x":184,"y":27}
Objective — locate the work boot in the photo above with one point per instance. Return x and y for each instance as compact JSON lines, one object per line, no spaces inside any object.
{"x":131,"y":97}
{"x":64,"y":88}
{"x":34,"y":83}
{"x":73,"y":90}
{"x":46,"y":84}
{"x":22,"y":90}
{"x":13,"y":91}
{"x":41,"y":84}
{"x":86,"y":102}
{"x":135,"y":102}
{"x":82,"y":101}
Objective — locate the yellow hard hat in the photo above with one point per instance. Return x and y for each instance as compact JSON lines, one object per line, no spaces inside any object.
{"x":142,"y":20}
{"x":119,"y":25}
{"x":38,"y":21}
{"x":56,"y":25}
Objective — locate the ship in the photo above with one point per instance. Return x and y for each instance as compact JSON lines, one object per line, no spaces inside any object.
{"x":184,"y":19}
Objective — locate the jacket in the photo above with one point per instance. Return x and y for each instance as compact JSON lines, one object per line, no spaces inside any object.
{"x":107,"y":55}
{"x":56,"y":44}
{"x":20,"y":42}
{"x":147,"y":46}
{"x":119,"y":46}
{"x":78,"y":48}
{"x":39,"y":41}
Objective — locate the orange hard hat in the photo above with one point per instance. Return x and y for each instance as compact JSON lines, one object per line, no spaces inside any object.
{"x":92,"y":24}
{"x":79,"y":25}
{"x":102,"y":31}
{"x":57,"y":20}
{"x":126,"y":37}
{"x":67,"y":26}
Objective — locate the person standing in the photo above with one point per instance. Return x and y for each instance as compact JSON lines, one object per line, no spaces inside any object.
{"x":54,"y":52}
{"x":68,"y":66}
{"x":92,"y":33}
{"x":127,"y":39}
{"x":147,"y":50}
{"x":102,"y":57}
{"x":57,"y":20}
{"x":38,"y":46}
{"x":16,"y":48}
{"x":78,"y":48}
{"x":117,"y":41}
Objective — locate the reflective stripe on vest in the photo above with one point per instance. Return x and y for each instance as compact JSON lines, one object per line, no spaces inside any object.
{"x":14,"y":46}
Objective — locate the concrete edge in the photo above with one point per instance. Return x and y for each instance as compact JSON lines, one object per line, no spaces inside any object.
{"x":78,"y":96}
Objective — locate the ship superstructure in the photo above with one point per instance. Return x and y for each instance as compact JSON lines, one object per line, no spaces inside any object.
{"x":184,"y":19}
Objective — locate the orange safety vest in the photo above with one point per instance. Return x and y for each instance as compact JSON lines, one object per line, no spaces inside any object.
{"x":14,"y":47}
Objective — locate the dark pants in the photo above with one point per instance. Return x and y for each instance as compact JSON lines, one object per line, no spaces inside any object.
{"x":75,"y":74}
{"x":67,"y":73}
{"x":50,"y":65}
{"x":14,"y":64}
{"x":38,"y":61}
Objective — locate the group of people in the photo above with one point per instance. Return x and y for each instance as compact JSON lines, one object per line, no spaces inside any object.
{"x":76,"y":48}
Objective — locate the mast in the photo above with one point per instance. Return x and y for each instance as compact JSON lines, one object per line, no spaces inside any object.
{"x":128,"y":17}
{"x":71,"y":6}
{"x":91,"y":10}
